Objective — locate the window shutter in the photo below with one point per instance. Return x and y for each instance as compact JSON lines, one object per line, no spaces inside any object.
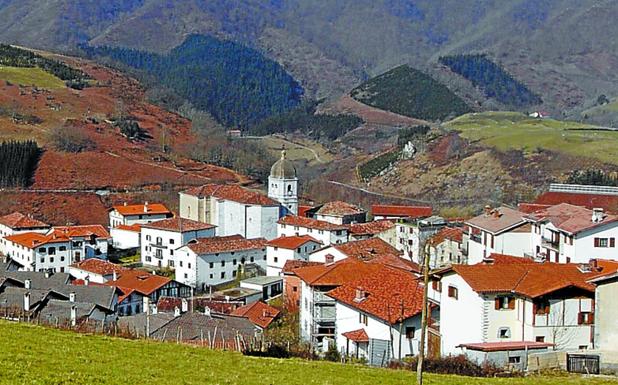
{"x":580,"y":318}
{"x":512,"y":303}
{"x":596,"y":242}
{"x":434,"y":285}
{"x":612,"y":242}
{"x":497,"y":303}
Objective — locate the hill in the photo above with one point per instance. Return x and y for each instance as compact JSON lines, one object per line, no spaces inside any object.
{"x":410,"y":92}
{"x":67,"y":357}
{"x":563,"y":50}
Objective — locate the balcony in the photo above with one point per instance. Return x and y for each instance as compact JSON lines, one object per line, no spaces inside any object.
{"x":322,"y":298}
{"x":324,"y":314}
{"x":475,"y":238}
{"x":158,"y":245}
{"x":550,"y":244}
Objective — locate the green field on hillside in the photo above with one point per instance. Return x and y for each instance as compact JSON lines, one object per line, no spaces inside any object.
{"x":35,"y":355}
{"x":512,"y":130}
{"x":30,"y":76}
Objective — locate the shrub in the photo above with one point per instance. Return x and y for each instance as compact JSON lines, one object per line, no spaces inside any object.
{"x":332,"y":354}
{"x":275,"y":351}
{"x":459,"y":365}
{"x":70,"y":139}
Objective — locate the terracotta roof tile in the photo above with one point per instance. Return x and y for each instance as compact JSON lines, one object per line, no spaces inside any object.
{"x":590,"y":201}
{"x":397,"y":262}
{"x":19,"y":221}
{"x":293,"y":220}
{"x":142,"y":209}
{"x":258,"y":313}
{"x":448,"y":233}
{"x":336,"y":274}
{"x":359,"y":335}
{"x":401,"y":211}
{"x":80,"y":231}
{"x":371,"y":228}
{"x":388,"y":294}
{"x":176,"y":224}
{"x":231,"y":192}
{"x":366,"y":249}
{"x":507,"y":345}
{"x":528,"y":208}
{"x":339,"y":209}
{"x":293,"y":264}
{"x":136,"y":228}
{"x":33,"y":240}
{"x":99,"y":266}
{"x":293,"y":242}
{"x":302,"y":210}
{"x":213,"y":245}
{"x":569,"y":218}
{"x":498,"y":220}
{"x":140,"y":281}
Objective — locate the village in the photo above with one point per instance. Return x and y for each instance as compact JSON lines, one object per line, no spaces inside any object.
{"x":524,"y":288}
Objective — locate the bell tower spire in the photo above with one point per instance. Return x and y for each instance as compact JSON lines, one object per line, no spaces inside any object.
{"x":283,"y":184}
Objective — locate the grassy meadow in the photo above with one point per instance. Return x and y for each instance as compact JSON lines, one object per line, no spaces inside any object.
{"x":36,"y":355}
{"x":512,"y":130}
{"x":30,"y":77}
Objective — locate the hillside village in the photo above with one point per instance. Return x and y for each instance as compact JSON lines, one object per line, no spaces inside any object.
{"x":523,"y":288}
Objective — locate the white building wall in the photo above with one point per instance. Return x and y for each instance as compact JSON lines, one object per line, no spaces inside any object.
{"x":124,"y":239}
{"x":6,"y":231}
{"x":325,"y":236}
{"x":606,"y":316}
{"x":169,"y":242}
{"x":115,"y":218}
{"x":306,"y":312}
{"x":78,"y":273}
{"x":320,"y":255}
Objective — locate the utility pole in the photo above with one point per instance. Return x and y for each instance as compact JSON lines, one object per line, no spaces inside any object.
{"x":421,"y":349}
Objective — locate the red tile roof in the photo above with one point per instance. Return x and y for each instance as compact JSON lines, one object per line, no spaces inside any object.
{"x":149,"y":208}
{"x":136,"y":228}
{"x":569,"y":218}
{"x":397,"y":262}
{"x":401,"y":211}
{"x":99,"y":266}
{"x":140,"y":281}
{"x":336,"y":274}
{"x":18,"y":221}
{"x":607,"y":202}
{"x":498,"y":220}
{"x":80,"y":231}
{"x":366,"y":249}
{"x":528,"y":208}
{"x":232,"y":193}
{"x":33,"y":240}
{"x":448,"y":233}
{"x":213,"y":245}
{"x":293,"y":264}
{"x":258,"y":313}
{"x":293,"y":220}
{"x":302,"y":210}
{"x":388,"y":294}
{"x":359,"y":335}
{"x":507,"y":345}
{"x":530,"y":280}
{"x":339,"y":209}
{"x":293,"y":242}
{"x":176,"y":224}
{"x":371,"y":228}
{"x":496,"y":258}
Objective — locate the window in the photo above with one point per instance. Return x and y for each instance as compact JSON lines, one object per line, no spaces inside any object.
{"x":251,"y":259}
{"x":540,"y":339}
{"x":542,"y":307}
{"x":148,"y":237}
{"x":148,"y":259}
{"x":410,"y":330}
{"x":234,"y":273}
{"x":362,"y":318}
{"x":42,"y":260}
{"x":601,"y":242}
{"x":504,"y":303}
{"x":437,"y":286}
{"x":210,"y":276}
{"x":186,"y":275}
{"x":51,"y":259}
{"x":42,"y":250}
{"x":222,"y":263}
{"x":453,"y":292}
{"x":211,"y":265}
{"x":52,"y":251}
{"x":514,"y":360}
{"x":61,"y":259}
{"x":189,"y":265}
{"x":295,"y":289}
{"x":180,"y":262}
{"x":159,"y":253}
{"x":171,"y":241}
{"x":171,"y":252}
{"x":276,"y":259}
{"x":504,"y":333}
{"x":159,"y":241}
{"x":583,"y":347}
{"x":222,"y":274}
{"x":585,"y":318}
{"x":62,"y":248}
{"x":170,"y":263}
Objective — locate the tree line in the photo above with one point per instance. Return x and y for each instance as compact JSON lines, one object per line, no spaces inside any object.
{"x":494,"y":81}
{"x":593,"y":177}
{"x":18,"y":160}
{"x":237,"y":85}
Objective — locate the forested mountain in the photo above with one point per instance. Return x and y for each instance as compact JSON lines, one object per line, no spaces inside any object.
{"x":562,"y":50}
{"x":239,"y":86}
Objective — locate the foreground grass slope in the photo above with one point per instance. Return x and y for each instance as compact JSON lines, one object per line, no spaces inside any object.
{"x":512,"y":130}
{"x":36,"y":355}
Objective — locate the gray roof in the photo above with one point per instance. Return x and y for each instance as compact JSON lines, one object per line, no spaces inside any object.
{"x":61,"y":310}
{"x":38,"y":279}
{"x":102,"y":296}
{"x":137,"y":323}
{"x":13,"y":297}
{"x":263,"y":280}
{"x":195,"y":325}
{"x":283,"y":168}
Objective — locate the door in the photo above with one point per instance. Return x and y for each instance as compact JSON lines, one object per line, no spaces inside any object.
{"x":433,"y":344}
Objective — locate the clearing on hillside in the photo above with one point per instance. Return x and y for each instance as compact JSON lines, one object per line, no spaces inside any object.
{"x":30,"y":77}
{"x":512,"y":130}
{"x":71,"y":358}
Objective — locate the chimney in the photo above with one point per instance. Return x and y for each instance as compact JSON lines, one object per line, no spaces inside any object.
{"x":27,"y":301}
{"x":487,"y":210}
{"x":594,"y":264}
{"x":47,"y":273}
{"x":496,"y":213}
{"x":27,"y":283}
{"x":125,"y":203}
{"x":184,"y":305}
{"x":597,"y":215}
{"x":207,"y":311}
{"x":146,"y":304}
{"x":72,"y":296}
{"x":176,"y":312}
{"x":360,"y":295}
{"x":146,"y":206}
{"x":114,"y":275}
{"x":86,"y":280}
{"x":73,"y":315}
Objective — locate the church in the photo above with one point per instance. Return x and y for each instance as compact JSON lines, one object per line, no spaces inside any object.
{"x":283,"y":185}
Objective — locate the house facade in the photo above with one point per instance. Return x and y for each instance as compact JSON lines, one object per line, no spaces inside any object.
{"x":18,"y":223}
{"x":325,"y":232}
{"x":125,"y":237}
{"x":383,"y":229}
{"x":232,"y":209}
{"x":338,"y":213}
{"x":129,"y":215}
{"x":448,"y":247}
{"x":412,"y":233}
{"x":161,"y":239}
{"x":283,"y":249}
{"x":606,"y":314}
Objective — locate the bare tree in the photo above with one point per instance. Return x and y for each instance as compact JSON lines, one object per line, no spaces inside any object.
{"x":424,"y":249}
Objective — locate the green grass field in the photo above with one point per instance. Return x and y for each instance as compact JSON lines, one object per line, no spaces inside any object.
{"x":512,"y":130}
{"x":30,"y":76}
{"x":36,"y":355}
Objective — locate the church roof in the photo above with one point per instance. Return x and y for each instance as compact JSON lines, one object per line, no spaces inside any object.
{"x":283,"y":168}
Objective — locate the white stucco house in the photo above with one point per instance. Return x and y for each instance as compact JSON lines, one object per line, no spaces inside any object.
{"x":502,"y":230}
{"x":383,"y":229}
{"x":365,"y":249}
{"x":161,"y":239}
{"x":606,"y":311}
{"x":325,"y":232}
{"x":138,"y":214}
{"x":511,"y":300}
{"x":125,"y":237}
{"x":412,"y":233}
{"x":95,"y":270}
{"x":206,"y":262}
{"x":234,"y":210}
{"x":566,"y":233}
{"x":18,"y":223}
{"x":293,"y":248}
{"x":447,"y":247}
{"x":338,"y":213}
